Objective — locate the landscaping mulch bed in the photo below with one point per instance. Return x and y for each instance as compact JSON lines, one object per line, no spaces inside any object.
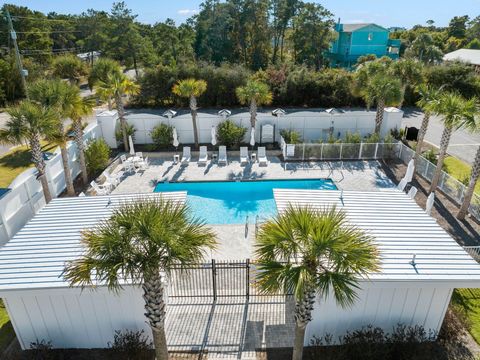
{"x":466,"y":233}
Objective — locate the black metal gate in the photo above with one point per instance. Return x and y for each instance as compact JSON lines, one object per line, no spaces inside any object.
{"x":214,"y":280}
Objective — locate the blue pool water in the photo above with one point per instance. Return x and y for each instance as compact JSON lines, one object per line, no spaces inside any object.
{"x":227,"y":202}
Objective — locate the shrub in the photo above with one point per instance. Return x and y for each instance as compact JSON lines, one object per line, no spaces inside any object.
{"x":97,"y":156}
{"x":130,"y":132}
{"x":430,"y":156}
{"x":230,"y":134}
{"x":372,"y":138}
{"x":162,"y":135}
{"x":353,"y":138}
{"x":41,"y":350}
{"x":131,"y":345}
{"x":290,"y":136}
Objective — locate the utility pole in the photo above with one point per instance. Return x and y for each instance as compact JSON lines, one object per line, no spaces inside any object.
{"x":13,"y":35}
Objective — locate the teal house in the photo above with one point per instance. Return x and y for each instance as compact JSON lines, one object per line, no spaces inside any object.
{"x":355,"y":40}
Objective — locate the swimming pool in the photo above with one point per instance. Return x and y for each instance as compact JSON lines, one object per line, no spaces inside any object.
{"x":228,"y":202}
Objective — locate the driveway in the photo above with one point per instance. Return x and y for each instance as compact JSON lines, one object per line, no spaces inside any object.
{"x":463,"y":144}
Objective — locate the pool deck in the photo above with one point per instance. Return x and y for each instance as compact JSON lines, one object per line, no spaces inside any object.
{"x":234,"y":241}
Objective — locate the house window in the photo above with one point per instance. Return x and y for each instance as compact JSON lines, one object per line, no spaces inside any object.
{"x":370,"y":36}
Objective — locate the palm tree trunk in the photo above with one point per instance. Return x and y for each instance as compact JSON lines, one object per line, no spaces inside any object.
{"x":77,"y":128}
{"x":109,"y":102}
{"x":193,"y":110}
{"x":404,"y":90}
{"x":421,"y":136}
{"x":471,"y":187}
{"x":253,"y":112}
{"x":153,"y":294}
{"x":445,"y":140}
{"x":66,"y":170}
{"x":303,"y":315}
{"x":123,"y":123}
{"x":379,"y":115}
{"x":37,"y":158}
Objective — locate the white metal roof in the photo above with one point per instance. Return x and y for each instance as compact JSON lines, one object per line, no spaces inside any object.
{"x":471,"y":56}
{"x":36,"y":255}
{"x":401,"y":228}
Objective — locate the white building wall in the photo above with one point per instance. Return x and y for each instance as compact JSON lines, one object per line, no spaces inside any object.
{"x":71,"y":318}
{"x":383,"y":305}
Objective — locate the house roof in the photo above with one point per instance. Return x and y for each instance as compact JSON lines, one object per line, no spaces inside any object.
{"x":471,"y":56}
{"x":35,"y":257}
{"x":355,"y":27}
{"x":401,"y":229}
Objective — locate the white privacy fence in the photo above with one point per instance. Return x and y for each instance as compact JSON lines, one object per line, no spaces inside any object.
{"x":25,"y":197}
{"x":450,"y":186}
{"x":311,"y":125}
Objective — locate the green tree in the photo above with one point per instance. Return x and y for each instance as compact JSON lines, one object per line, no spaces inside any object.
{"x":375,"y":84}
{"x":424,"y":49}
{"x":52,"y":94}
{"x":282,"y":12}
{"x":101,"y":69}
{"x":311,"y":252}
{"x":69,"y":67}
{"x":473,"y":124}
{"x":312,"y":34}
{"x":457,"y":27}
{"x":409,"y":72}
{"x":140,"y":241}
{"x":254,"y":93}
{"x":27,"y":124}
{"x":455,"y":112}
{"x":191,"y":89}
{"x":93,"y":28}
{"x":116,"y":86}
{"x":428,"y":95}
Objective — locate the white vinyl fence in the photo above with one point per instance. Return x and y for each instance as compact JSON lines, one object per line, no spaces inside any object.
{"x":450,"y":186}
{"x":25,"y":197}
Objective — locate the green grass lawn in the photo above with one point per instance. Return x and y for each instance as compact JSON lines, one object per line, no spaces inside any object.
{"x":15,"y":162}
{"x":6,"y":329}
{"x":459,"y":170}
{"x":468,"y":302}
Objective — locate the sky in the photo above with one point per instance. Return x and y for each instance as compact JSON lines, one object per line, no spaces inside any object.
{"x":404,"y":13}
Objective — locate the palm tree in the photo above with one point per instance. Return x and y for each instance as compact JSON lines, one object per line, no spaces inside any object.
{"x":375,"y":83}
{"x":311,"y":252}
{"x":256,"y":94}
{"x":427,"y":96}
{"x":140,"y":241}
{"x":475,"y":174}
{"x":76,"y":107}
{"x":409,"y":72}
{"x":101,"y":69}
{"x":51,"y":94}
{"x":191,"y":89}
{"x":116,"y":86}
{"x":456,"y":112}
{"x":27,"y":124}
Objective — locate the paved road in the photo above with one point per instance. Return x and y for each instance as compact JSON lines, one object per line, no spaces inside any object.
{"x":463,"y":144}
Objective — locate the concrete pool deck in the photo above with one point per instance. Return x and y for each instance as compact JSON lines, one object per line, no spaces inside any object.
{"x":234,"y":242}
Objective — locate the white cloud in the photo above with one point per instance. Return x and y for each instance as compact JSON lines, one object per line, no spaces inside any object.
{"x":187,"y":12}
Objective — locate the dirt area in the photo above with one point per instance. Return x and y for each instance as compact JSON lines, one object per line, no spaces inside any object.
{"x":466,"y":233}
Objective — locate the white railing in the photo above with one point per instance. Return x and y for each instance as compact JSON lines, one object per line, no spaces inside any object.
{"x":474,"y":252}
{"x":25,"y":197}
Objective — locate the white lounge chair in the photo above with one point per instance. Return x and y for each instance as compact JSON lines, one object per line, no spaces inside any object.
{"x":262,"y":156}
{"x":222,"y":155}
{"x":243,"y":155}
{"x":114,"y":180}
{"x":144,"y":164}
{"x":186,"y":156}
{"x":101,"y":189}
{"x":402,"y":184}
{"x":128,"y":165}
{"x":412,"y":192}
{"x":203,"y":158}
{"x":139,"y":155}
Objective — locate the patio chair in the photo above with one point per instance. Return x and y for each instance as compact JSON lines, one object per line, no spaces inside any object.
{"x":402,"y":184}
{"x":128,"y":165}
{"x":412,"y":192}
{"x":101,"y":189}
{"x":139,"y":155}
{"x":186,"y":156}
{"x":203,"y":158}
{"x":114,"y":180}
{"x":144,"y":164}
{"x":222,"y":155}
{"x":262,"y":156}
{"x":243,"y":155}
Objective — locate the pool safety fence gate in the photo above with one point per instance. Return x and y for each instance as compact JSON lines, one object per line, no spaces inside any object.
{"x":215,"y":279}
